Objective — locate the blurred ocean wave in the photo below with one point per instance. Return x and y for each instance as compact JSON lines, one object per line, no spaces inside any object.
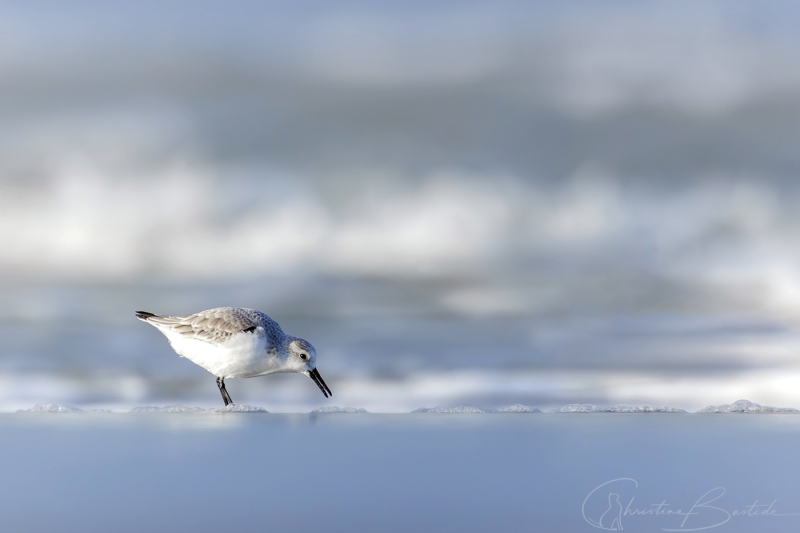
{"x":493,"y":246}
{"x":457,"y":203}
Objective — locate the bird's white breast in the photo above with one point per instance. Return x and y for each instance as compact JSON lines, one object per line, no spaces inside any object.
{"x":243,"y":355}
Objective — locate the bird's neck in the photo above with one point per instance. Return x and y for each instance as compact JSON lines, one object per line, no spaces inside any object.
{"x":281,"y":349}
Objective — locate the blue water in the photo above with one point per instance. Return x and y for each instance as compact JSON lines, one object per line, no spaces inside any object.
{"x":265,"y":472}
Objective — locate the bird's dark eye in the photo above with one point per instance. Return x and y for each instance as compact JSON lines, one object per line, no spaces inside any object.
{"x":303,"y":356}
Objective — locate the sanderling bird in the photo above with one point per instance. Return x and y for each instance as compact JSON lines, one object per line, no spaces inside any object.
{"x":231,"y":342}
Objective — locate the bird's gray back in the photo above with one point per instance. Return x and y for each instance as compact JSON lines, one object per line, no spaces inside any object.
{"x":219,"y":324}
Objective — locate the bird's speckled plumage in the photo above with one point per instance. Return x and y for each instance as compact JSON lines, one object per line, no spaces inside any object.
{"x":218,"y":325}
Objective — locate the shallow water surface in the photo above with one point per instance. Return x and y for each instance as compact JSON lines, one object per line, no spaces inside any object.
{"x":336,"y":472}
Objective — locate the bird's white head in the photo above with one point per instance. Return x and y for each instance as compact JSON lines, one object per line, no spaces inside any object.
{"x":302,"y":358}
{"x":301,"y":355}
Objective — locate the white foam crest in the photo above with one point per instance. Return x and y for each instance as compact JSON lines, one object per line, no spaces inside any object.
{"x":50,"y":408}
{"x":336,"y":409}
{"x":448,"y":410}
{"x":425,"y":229}
{"x":237,"y":408}
{"x":746,"y":406}
{"x":589,"y":408}
{"x":517,"y":408}
{"x":579,"y":408}
{"x":167,"y":409}
{"x":176,"y":218}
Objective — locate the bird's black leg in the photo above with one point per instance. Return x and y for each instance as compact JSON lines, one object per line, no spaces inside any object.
{"x":225,"y":396}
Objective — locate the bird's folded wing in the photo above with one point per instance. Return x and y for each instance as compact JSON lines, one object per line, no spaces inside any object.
{"x":214,"y":325}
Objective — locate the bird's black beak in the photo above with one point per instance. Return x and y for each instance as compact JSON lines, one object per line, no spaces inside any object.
{"x":314,"y":374}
